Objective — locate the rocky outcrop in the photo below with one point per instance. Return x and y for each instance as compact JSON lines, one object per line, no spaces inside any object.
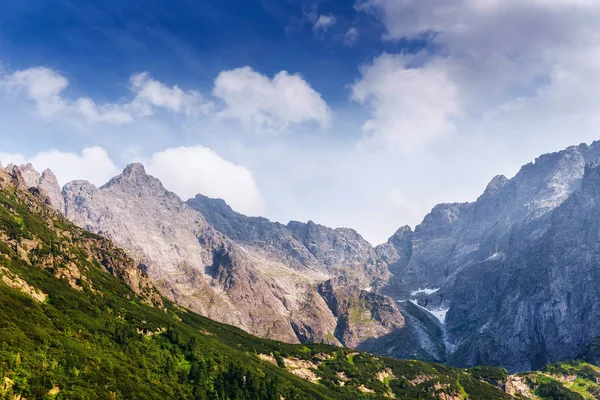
{"x":49,"y":184}
{"x":27,"y":178}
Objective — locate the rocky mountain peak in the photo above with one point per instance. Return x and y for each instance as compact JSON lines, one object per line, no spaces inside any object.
{"x":218,"y":205}
{"x":30,"y":176}
{"x":134,"y":180}
{"x":49,"y":184}
{"x":496,"y":184}
{"x":403,"y":231}
{"x":134,"y":169}
{"x":17,"y":178}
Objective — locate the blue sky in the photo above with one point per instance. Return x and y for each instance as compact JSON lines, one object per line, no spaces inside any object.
{"x":358,"y":113}
{"x":190,"y":42}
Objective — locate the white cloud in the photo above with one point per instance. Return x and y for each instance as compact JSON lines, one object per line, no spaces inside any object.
{"x":188,"y":171}
{"x":150,"y":93}
{"x":45,"y":88}
{"x":324,"y":22}
{"x":269,"y":104}
{"x":41,"y":85}
{"x":409,"y":105}
{"x":351,"y":36}
{"x":93,"y":164}
{"x":492,"y":52}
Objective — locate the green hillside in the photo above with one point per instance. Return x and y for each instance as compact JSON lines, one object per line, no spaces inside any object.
{"x":78,"y":320}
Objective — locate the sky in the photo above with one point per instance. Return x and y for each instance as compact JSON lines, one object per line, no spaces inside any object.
{"x":350,"y":113}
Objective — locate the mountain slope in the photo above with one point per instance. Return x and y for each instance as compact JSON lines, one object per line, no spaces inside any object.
{"x":80,"y":320}
{"x":513,"y":276}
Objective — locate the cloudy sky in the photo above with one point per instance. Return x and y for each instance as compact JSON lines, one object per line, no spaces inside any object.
{"x":360,"y":113}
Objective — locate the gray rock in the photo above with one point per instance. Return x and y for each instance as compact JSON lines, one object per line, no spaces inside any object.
{"x":195,"y":265}
{"x":49,"y":184}
{"x":362,"y":318}
{"x":30,"y":176}
{"x":515,"y":271}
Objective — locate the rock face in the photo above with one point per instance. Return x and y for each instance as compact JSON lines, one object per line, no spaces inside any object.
{"x":363,"y":319}
{"x":263,"y":277}
{"x":514,"y":275}
{"x":26,"y":178}
{"x":303,"y":247}
{"x":49,"y":184}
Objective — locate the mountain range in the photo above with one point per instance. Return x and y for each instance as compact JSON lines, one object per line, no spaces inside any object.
{"x":507,"y":280}
{"x":80,"y":319}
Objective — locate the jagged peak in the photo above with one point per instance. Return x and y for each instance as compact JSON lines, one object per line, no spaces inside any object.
{"x":402,"y":231}
{"x":134,"y":169}
{"x":29,"y":174}
{"x":17,"y":178}
{"x":497,"y":183}
{"x":215,"y":202}
{"x":47,"y":174}
{"x":134,"y":179}
{"x":78,"y":184}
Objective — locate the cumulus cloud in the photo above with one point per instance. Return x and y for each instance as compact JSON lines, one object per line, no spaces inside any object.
{"x":324,"y":22}
{"x":41,"y":85}
{"x":188,"y":171}
{"x":92,"y":164}
{"x":409,"y":105}
{"x":150,"y":93}
{"x":499,"y":56}
{"x":45,"y":88}
{"x":270,"y":104}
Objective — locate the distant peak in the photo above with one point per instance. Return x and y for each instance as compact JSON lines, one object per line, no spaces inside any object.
{"x":30,"y":176}
{"x":134,"y":169}
{"x":135,"y":180}
{"x":497,"y":183}
{"x":47,"y":175}
{"x":403,"y":230}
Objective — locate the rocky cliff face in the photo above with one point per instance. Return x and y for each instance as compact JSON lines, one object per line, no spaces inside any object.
{"x":513,"y":275}
{"x":363,"y":319}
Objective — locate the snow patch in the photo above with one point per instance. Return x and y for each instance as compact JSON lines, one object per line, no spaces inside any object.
{"x":496,"y":256}
{"x":438,"y":313}
{"x":367,"y":289}
{"x":426,"y":291}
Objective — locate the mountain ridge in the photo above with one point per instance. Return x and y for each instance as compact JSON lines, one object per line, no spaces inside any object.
{"x":80,"y":319}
